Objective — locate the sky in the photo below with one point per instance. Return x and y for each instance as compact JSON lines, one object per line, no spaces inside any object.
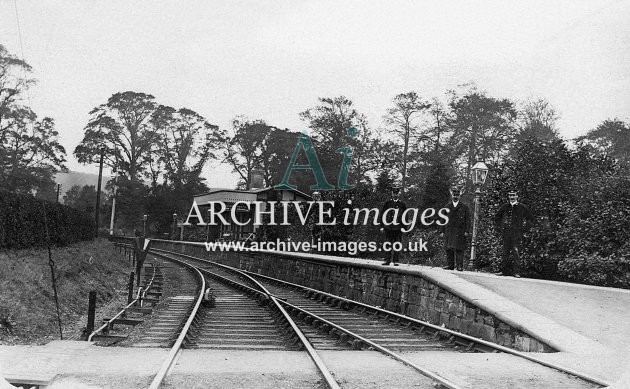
{"x":272,"y":60}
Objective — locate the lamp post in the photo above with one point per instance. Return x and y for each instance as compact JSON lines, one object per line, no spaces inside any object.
{"x":480,"y":173}
{"x":208,"y":226}
{"x":174,"y":226}
{"x":144,"y":225}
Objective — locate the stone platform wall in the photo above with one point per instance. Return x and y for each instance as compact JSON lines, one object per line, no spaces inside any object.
{"x":400,"y":290}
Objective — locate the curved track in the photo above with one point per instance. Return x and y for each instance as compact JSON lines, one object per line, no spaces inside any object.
{"x":330,"y":322}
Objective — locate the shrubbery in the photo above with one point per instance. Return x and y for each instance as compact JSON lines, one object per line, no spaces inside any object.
{"x":22,"y":222}
{"x":582,"y":206}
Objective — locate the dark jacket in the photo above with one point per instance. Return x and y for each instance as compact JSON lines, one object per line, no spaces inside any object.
{"x":514,"y":219}
{"x":392,"y":204}
{"x":458,"y":224}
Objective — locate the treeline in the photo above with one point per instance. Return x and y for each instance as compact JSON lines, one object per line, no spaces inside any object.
{"x":425,"y":143}
{"x":29,"y":222}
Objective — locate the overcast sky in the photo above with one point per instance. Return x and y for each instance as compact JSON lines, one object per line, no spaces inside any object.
{"x":272,"y":59}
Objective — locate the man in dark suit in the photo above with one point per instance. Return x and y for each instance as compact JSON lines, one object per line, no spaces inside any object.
{"x":456,"y":231}
{"x":391,"y":222}
{"x":512,"y":219}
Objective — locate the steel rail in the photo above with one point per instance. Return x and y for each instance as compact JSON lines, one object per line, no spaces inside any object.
{"x":110,"y":321}
{"x":313,"y":353}
{"x":176,"y":349}
{"x":434,"y":376}
{"x":495,"y":346}
{"x":321,"y":366}
{"x":483,"y":342}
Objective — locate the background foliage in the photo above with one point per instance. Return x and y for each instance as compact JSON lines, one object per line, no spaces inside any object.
{"x":22,"y":222}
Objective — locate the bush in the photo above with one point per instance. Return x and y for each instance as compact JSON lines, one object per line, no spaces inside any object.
{"x":22,"y":222}
{"x":435,"y":256}
{"x":596,"y":270}
{"x":582,"y":205}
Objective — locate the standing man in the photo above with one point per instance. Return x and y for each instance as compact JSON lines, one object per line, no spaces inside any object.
{"x":391,"y":222}
{"x":456,"y":231}
{"x":512,"y":219}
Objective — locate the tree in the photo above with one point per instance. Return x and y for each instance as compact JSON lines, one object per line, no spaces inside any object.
{"x":277,"y":148}
{"x":187,"y":144}
{"x":245,"y":149}
{"x":330,"y":120}
{"x":13,"y":83}
{"x":30,"y":153}
{"x":404,"y":121}
{"x":537,"y":119}
{"x":482,"y":126}
{"x":437,"y":185}
{"x":122,"y":126}
{"x":330,"y":123}
{"x":83,"y":198}
{"x":574,"y":221}
{"x":612,"y":138}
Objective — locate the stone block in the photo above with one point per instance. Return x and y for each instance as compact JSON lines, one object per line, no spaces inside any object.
{"x":423,"y":313}
{"x":522,"y":343}
{"x":465,"y":326}
{"x":475,"y":329}
{"x":455,"y":323}
{"x":488,"y":333}
{"x":434,"y":316}
{"x":444,"y":319}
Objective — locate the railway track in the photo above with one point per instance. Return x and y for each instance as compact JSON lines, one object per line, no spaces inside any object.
{"x":248,"y":311}
{"x":303,"y":318}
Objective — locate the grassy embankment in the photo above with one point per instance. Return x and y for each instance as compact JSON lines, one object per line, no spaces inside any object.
{"x":26,"y":293}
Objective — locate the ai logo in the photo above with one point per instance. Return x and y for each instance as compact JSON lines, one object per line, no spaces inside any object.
{"x":313,"y":164}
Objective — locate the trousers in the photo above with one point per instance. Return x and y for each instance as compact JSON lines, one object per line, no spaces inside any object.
{"x":455,"y":258}
{"x":511,"y":259}
{"x":392,"y":236}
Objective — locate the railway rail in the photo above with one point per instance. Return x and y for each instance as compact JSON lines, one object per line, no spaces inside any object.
{"x":315,"y":320}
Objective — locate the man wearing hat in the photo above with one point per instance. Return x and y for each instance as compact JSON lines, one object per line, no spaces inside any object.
{"x":456,"y":231}
{"x":391,"y":222}
{"x":512,"y":219}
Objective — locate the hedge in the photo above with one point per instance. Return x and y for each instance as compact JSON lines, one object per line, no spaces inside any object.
{"x":22,"y":222}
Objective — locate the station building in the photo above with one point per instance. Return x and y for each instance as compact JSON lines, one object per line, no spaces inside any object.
{"x":232,"y":196}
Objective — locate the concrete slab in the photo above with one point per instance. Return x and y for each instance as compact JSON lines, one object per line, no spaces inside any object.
{"x":117,"y":367}
{"x":598,"y":313}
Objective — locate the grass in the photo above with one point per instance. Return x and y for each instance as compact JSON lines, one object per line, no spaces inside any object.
{"x":27,"y":297}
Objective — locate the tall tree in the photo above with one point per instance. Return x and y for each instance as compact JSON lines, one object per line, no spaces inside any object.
{"x":330,"y":120}
{"x":404,"y":119}
{"x":244,"y":150}
{"x":483,"y":127}
{"x":276,"y":152}
{"x":188,"y":143}
{"x":122,"y":126}
{"x":30,"y":152}
{"x":330,"y":123}
{"x":537,"y":119}
{"x":612,"y":138}
{"x":13,"y":82}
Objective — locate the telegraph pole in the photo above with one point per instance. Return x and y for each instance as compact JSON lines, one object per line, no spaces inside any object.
{"x":98,"y":190}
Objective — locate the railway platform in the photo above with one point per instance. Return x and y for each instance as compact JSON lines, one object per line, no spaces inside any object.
{"x":589,"y":326}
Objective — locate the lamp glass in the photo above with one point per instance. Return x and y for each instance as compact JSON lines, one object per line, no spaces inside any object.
{"x":480,"y":173}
